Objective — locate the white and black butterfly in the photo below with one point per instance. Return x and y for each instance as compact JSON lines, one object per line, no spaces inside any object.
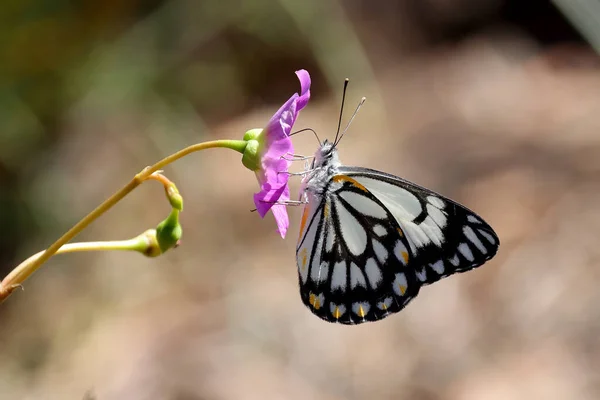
{"x":369,"y":240}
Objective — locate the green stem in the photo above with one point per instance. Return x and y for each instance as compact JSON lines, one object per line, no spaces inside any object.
{"x":20,"y":274}
{"x":141,"y":244}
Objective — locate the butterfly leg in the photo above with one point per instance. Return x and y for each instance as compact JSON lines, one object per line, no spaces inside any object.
{"x":296,"y":157}
{"x":286,"y":203}
{"x":303,"y":173}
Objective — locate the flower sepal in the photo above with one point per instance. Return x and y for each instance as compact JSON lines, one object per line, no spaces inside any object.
{"x":251,"y":156}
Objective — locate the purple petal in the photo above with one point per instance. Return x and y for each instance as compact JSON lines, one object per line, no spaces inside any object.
{"x":264,"y":202}
{"x":280,"y":125}
{"x":270,"y":193}
{"x":273,"y":187}
{"x":281,"y":219}
{"x":304,"y":78}
{"x":280,"y":213}
{"x":276,"y":171}
{"x":276,"y":145}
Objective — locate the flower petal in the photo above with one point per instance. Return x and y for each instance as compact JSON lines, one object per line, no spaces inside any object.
{"x":274,"y":147}
{"x":304,"y":78}
{"x":281,"y":219}
{"x":280,"y":125}
{"x":270,"y":193}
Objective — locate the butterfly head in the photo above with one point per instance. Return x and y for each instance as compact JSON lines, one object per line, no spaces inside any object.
{"x":324,"y":165}
{"x":326,"y":156}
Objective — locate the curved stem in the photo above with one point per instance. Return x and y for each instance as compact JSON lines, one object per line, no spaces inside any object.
{"x":140,"y":244}
{"x":19,"y":275}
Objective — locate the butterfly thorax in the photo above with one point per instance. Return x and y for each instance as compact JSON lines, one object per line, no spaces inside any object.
{"x":324,"y":166}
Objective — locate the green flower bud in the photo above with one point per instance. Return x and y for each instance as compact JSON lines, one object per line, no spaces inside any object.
{"x":175,"y":199}
{"x":169,"y":231}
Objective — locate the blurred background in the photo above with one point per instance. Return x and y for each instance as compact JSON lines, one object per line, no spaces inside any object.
{"x":494,"y":103}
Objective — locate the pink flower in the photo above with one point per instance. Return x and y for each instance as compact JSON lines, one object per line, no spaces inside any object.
{"x":267,"y":154}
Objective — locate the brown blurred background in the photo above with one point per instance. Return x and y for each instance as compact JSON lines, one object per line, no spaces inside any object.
{"x":493,"y":103}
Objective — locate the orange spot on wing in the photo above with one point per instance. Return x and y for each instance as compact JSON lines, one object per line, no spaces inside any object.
{"x":304,"y":257}
{"x":405,"y":257}
{"x":303,"y":222}
{"x":361,"y":311}
{"x":337,"y":313}
{"x":344,"y":178}
{"x":402,"y":289}
{"x":314,"y":301}
{"x":400,"y":232}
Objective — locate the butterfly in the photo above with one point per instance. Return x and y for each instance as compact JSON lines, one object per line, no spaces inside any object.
{"x":369,"y":240}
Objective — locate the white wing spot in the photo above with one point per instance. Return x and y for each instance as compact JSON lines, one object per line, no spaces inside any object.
{"x":385,"y":304}
{"x":474,"y":219}
{"x":356,"y":277}
{"x":466,"y":251}
{"x":316,"y":301}
{"x":380,"y":251}
{"x":422,"y":275}
{"x":403,"y":205}
{"x":302,"y":262}
{"x":352,"y":231}
{"x":319,"y":272}
{"x":488,"y":237}
{"x":433,"y":231}
{"x":361,"y":309}
{"x":373,"y":273}
{"x":339,"y":275}
{"x":438,"y":267}
{"x":316,"y":260}
{"x":380,"y":230}
{"x":454,"y":260}
{"x":439,"y":203}
{"x":401,"y":253}
{"x":364,"y":205}
{"x":400,"y":284}
{"x":470,"y":234}
{"x":437,"y":216}
{"x":337,"y":310}
{"x":415,"y":235}
{"x":330,"y":237}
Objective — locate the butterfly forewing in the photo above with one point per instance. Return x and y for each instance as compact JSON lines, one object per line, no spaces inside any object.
{"x":353,"y":257}
{"x":444,"y":236}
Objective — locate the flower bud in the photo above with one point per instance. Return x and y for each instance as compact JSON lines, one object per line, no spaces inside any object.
{"x":169,"y":231}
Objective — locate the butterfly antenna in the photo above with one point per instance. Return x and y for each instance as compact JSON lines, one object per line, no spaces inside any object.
{"x":341,"y":109}
{"x":307,"y":129}
{"x":362,"y":101}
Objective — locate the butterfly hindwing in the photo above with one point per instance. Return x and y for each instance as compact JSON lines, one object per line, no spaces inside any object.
{"x":444,"y":236}
{"x":353,"y":257}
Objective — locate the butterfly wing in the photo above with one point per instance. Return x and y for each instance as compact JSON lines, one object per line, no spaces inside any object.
{"x":353,"y":257}
{"x":444,"y":237}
